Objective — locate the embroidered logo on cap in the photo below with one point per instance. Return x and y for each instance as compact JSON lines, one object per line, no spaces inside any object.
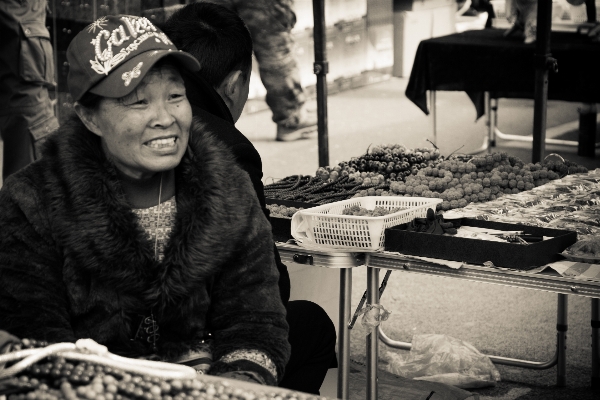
{"x":137,"y":28}
{"x":97,"y":24}
{"x":134,"y":73}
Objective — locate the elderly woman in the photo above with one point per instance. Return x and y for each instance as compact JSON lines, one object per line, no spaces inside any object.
{"x":136,"y":228}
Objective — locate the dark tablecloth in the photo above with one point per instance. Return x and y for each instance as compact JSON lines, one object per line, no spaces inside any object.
{"x":484,"y":60}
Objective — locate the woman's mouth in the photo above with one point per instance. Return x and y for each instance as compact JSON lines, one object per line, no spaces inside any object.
{"x":162,"y":143}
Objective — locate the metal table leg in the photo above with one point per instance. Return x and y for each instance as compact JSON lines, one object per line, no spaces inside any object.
{"x":343,"y":388}
{"x":559,"y":359}
{"x":561,"y":340}
{"x":433,"y":114}
{"x":596,"y":343}
{"x":485,"y":146}
{"x":372,"y":338}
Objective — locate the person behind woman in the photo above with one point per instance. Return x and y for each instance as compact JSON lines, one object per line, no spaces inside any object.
{"x":136,"y":228}
{"x":218,"y":38}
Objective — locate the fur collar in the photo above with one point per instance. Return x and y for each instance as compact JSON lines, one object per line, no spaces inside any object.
{"x":99,"y":233}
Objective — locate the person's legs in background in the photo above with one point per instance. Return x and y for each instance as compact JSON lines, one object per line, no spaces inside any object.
{"x":24,"y":128}
{"x":26,"y":73}
{"x":270,"y":22}
{"x":312,"y":337}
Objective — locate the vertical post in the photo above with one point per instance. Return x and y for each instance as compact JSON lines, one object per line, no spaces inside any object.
{"x":586,"y":142}
{"x":590,"y":9}
{"x":432,"y":107}
{"x":372,"y":337}
{"x":321,"y":68}
{"x":561,"y":340}
{"x":343,"y":387}
{"x":595,"y":343}
{"x":541,"y":57}
{"x":494,"y":121}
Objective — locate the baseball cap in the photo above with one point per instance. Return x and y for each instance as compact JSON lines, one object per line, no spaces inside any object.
{"x":111,"y":56}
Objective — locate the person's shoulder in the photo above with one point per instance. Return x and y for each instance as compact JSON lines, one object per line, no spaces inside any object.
{"x":226,"y":131}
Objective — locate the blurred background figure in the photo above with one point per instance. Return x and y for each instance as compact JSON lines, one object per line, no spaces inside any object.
{"x":26,"y":73}
{"x":270,"y":22}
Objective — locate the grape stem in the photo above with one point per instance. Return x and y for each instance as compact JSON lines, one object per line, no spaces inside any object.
{"x":455,"y":150}
{"x":437,"y":148}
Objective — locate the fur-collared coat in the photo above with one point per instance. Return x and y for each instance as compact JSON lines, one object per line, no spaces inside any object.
{"x":75,"y":263}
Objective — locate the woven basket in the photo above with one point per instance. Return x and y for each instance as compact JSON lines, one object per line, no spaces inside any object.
{"x":326,"y":227}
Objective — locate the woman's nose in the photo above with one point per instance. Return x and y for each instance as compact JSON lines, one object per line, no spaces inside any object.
{"x":163,"y":116}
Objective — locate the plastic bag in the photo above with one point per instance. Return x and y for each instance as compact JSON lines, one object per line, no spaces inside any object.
{"x":373,"y":315}
{"x":441,"y":358}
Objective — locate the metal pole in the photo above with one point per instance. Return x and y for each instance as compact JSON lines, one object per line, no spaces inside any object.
{"x":561,"y":340}
{"x":433,"y":108}
{"x":372,"y":337}
{"x":590,"y":9}
{"x":343,"y":388}
{"x":596,"y":343}
{"x":542,"y":63}
{"x":321,"y":68}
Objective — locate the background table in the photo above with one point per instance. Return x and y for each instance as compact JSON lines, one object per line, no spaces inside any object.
{"x":483,"y":61}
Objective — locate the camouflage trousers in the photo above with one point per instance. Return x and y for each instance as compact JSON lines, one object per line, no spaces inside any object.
{"x":270,"y":23}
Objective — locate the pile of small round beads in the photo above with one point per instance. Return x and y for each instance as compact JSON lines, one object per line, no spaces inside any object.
{"x":55,"y":378}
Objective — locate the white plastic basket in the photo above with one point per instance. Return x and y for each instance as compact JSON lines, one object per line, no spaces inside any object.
{"x":326,"y":227}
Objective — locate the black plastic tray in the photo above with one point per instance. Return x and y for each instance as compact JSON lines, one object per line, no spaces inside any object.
{"x":476,"y":251}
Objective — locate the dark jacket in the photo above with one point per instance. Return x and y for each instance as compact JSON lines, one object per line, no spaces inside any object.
{"x":74,"y":262}
{"x":208,"y":106}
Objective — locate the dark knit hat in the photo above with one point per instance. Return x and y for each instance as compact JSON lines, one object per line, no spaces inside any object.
{"x":113,"y":54}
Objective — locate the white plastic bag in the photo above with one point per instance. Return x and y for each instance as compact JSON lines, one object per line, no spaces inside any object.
{"x":441,"y":358}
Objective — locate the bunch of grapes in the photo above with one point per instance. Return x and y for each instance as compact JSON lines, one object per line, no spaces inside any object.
{"x":395,"y":170}
{"x":479,"y":179}
{"x":282,"y":211}
{"x":363,"y":212}
{"x":393,"y":162}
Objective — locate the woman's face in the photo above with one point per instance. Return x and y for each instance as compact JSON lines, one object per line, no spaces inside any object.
{"x":146,"y":131}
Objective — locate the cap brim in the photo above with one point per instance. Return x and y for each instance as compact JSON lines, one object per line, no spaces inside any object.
{"x":125,"y":78}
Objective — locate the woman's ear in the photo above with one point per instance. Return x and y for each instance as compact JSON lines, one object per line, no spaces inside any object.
{"x":87,"y":116}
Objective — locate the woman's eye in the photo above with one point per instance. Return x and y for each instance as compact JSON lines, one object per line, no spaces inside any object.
{"x":136,"y":103}
{"x":177,"y":95}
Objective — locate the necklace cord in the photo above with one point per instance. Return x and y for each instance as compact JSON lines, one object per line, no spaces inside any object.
{"x":158,"y":218}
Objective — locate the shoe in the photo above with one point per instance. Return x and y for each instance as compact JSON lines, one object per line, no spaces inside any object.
{"x":305,"y":129}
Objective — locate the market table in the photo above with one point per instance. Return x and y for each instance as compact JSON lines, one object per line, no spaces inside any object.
{"x":375,"y":261}
{"x":579,"y":199}
{"x":484,"y":61}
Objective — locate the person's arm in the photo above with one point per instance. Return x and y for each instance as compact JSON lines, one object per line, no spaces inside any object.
{"x":33,"y":298}
{"x":248,"y":159}
{"x":247,"y":317}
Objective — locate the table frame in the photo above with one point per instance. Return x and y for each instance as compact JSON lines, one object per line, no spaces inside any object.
{"x":491,"y":127}
{"x":398,"y":262}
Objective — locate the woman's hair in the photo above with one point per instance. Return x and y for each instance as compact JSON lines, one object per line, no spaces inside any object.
{"x":216,"y":36}
{"x":90,"y":101}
